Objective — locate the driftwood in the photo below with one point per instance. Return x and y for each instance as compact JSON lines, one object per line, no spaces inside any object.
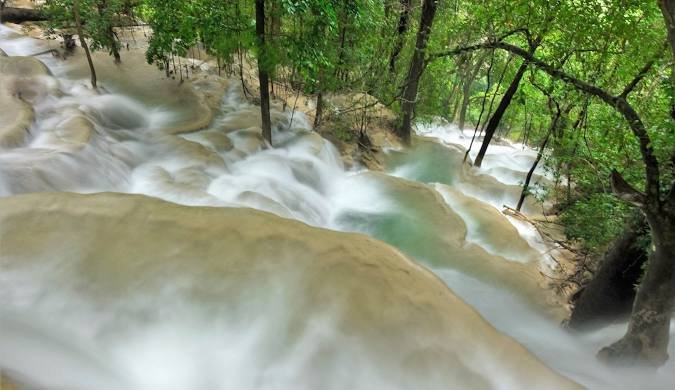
{"x":20,"y":15}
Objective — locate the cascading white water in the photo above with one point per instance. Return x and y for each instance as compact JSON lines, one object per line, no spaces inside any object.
{"x":126,"y":148}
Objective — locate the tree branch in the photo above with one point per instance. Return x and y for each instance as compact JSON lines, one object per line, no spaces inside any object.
{"x":457,"y":51}
{"x":619,"y":103}
{"x":625,"y":191}
{"x":641,"y":75}
{"x":507,"y":34}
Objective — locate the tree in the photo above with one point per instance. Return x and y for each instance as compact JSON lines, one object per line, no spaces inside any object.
{"x":469,"y":71}
{"x":401,"y":30}
{"x":668,"y":10}
{"x":647,"y":337}
{"x":263,"y":75}
{"x":496,"y":118}
{"x":101,"y":31}
{"x":98,"y":19}
{"x":83,"y":42}
{"x":417,"y":64}
{"x":555,"y":120}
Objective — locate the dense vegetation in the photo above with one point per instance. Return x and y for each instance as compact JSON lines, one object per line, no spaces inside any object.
{"x":588,"y":82}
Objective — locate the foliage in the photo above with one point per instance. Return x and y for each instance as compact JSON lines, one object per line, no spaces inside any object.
{"x":343,"y":46}
{"x":99,"y":17}
{"x":595,"y":221}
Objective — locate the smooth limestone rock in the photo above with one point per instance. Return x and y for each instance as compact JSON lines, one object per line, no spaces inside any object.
{"x":19,"y":83}
{"x":23,"y":67}
{"x":424,"y":226}
{"x":219,"y":141}
{"x":486,"y":186}
{"x":247,"y":117}
{"x":489,"y":225}
{"x":329,"y":309}
{"x":16,"y":117}
{"x":73,"y":133}
{"x":193,"y":107}
{"x":432,"y":162}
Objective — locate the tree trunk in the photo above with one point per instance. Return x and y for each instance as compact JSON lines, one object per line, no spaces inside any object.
{"x":470,"y":73}
{"x":400,"y":34}
{"x":78,"y":25}
{"x":526,"y":185}
{"x":455,"y":106}
{"x":449,"y":114}
{"x":319,"y":110}
{"x":668,"y":11}
{"x":499,"y":113}
{"x":416,"y":69}
{"x":341,"y":51}
{"x":646,"y":340}
{"x":611,"y":292}
{"x":263,"y":76}
{"x":20,"y":15}
{"x":494,"y":95}
{"x":466,"y":95}
{"x":114,"y":49}
{"x":482,"y":106}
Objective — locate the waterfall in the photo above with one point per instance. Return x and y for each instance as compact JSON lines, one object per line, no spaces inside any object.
{"x":438,"y":211}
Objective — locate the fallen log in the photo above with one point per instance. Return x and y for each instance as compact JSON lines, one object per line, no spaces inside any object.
{"x":20,"y":15}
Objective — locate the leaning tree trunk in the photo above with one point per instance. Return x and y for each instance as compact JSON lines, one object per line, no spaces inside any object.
{"x":263,"y":76}
{"x":499,"y":113}
{"x":611,"y":292}
{"x":83,"y":42}
{"x":482,"y":106}
{"x":416,"y":68}
{"x":494,"y":95}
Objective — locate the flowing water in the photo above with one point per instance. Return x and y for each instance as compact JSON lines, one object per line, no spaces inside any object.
{"x":429,"y":205}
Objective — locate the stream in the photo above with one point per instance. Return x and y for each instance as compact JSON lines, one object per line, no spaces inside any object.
{"x":428,"y":204}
